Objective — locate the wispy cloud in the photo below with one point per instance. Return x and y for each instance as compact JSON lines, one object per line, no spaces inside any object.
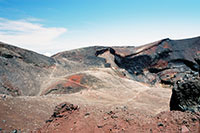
{"x":32,"y":19}
{"x":29,"y":33}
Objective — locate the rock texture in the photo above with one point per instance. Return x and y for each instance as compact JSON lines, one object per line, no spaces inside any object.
{"x":165,"y":61}
{"x":71,"y":118}
{"x":186,"y":92}
{"x":186,"y":96}
{"x":99,"y":89}
{"x":21,"y":71}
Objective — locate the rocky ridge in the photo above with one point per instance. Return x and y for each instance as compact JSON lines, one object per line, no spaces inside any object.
{"x":121,"y":82}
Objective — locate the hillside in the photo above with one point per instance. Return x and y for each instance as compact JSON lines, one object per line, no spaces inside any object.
{"x":114,"y":89}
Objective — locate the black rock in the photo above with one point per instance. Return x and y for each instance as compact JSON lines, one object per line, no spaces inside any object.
{"x":86,"y":114}
{"x":186,"y":96}
{"x":14,"y":131}
{"x":160,"y":125}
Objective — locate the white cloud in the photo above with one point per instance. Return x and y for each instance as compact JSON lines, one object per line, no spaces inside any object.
{"x":32,"y":19}
{"x":30,"y":34}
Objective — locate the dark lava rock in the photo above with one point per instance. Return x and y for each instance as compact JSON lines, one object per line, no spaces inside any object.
{"x":114,"y":116}
{"x":86,"y":114}
{"x":22,"y":71}
{"x":10,"y":52}
{"x":84,"y":58}
{"x":14,"y":131}
{"x":197,"y":58}
{"x":107,"y":65}
{"x":186,"y":96}
{"x":62,"y":108}
{"x":160,"y":125}
{"x":164,"y":61}
{"x":74,"y":83}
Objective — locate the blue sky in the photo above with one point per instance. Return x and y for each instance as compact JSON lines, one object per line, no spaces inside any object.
{"x":49,"y":26}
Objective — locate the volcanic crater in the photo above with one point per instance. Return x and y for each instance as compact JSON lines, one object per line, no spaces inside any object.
{"x":151,"y":88}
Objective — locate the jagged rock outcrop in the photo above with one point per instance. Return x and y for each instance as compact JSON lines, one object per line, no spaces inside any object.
{"x":25,"y":72}
{"x":101,"y":81}
{"x":186,"y":92}
{"x":165,"y":61}
{"x":62,"y":108}
{"x":186,"y":95}
{"x":71,"y":118}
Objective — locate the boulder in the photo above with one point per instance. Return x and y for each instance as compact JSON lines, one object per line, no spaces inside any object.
{"x":186,"y":95}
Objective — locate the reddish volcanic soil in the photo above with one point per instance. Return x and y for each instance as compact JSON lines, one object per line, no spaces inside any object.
{"x":120,"y":105}
{"x":91,"y":119}
{"x":101,"y":89}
